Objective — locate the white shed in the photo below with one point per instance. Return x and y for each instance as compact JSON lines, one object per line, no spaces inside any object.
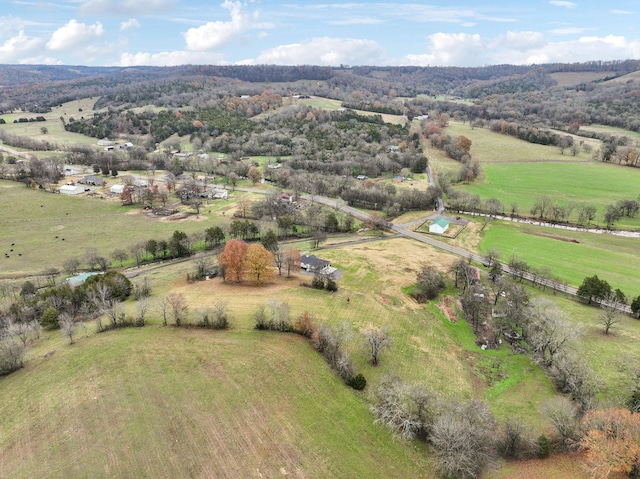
{"x":117,"y":189}
{"x":439,"y":227}
{"x":71,"y":189}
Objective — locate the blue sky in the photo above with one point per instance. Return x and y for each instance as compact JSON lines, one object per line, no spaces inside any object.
{"x":438,"y":33}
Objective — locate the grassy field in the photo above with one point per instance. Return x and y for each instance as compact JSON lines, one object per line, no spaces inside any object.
{"x":613,"y":258}
{"x":491,"y":148}
{"x":56,"y":133}
{"x":161,"y":402}
{"x":47,"y":229}
{"x":611,"y":130}
{"x":330,"y":104}
{"x":589,"y":183}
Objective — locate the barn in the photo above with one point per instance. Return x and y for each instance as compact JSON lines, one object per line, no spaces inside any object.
{"x":71,"y":189}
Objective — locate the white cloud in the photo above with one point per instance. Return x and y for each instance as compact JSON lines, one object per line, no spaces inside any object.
{"x":622,"y":12}
{"x":17,"y":49}
{"x":563,"y":4}
{"x":131,"y":23}
{"x":323,"y":51}
{"x":170,"y":59}
{"x":74,"y":34}
{"x":519,"y":41}
{"x":357,"y":21}
{"x":212,"y":35}
{"x":450,"y":49}
{"x":567,"y":31}
{"x":520,"y":48}
{"x":125,"y":7}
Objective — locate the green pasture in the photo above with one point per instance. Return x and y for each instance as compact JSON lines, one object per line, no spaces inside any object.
{"x":56,"y":133}
{"x":611,"y":130}
{"x":329,"y":104}
{"x":569,"y":255}
{"x":47,"y":229}
{"x":489,"y":147}
{"x":596,"y":184}
{"x":163,"y":402}
{"x":606,"y":354}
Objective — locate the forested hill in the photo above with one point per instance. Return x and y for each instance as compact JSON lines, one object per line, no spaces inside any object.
{"x":577,"y":93}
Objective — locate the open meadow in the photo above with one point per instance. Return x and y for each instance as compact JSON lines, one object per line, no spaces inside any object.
{"x":55,"y":132}
{"x":583,"y":183}
{"x":43,"y":230}
{"x":613,"y":258}
{"x":166,"y":402}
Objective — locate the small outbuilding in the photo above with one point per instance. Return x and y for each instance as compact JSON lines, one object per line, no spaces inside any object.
{"x":117,"y":189}
{"x":439,"y":226}
{"x":71,"y":189}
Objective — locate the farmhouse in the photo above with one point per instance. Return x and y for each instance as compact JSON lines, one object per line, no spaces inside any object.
{"x":312,"y":264}
{"x":92,"y":180}
{"x":71,"y":189}
{"x":439,"y":227}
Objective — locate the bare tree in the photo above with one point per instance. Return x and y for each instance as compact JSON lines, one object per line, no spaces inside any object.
{"x":164,"y":307}
{"x":430,"y":281}
{"x":67,"y":326}
{"x":549,"y":331}
{"x":203,"y":264}
{"x":24,"y":330}
{"x":463,"y":440}
{"x":71,"y":265}
{"x":563,"y":415}
{"x":375,"y":339}
{"x":408,"y":410}
{"x":178,"y":305}
{"x":492,"y":254}
{"x":51,"y":273}
{"x":142,"y":308}
{"x":119,"y":255}
{"x":609,"y":314}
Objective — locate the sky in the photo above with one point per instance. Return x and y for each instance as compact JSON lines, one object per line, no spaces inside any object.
{"x":431,"y":33}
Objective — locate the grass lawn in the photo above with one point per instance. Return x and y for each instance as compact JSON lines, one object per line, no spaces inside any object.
{"x":596,"y":184}
{"x":613,"y":258}
{"x":162,"y":402}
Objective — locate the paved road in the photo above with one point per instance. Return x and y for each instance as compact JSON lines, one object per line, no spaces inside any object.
{"x":403,"y":231}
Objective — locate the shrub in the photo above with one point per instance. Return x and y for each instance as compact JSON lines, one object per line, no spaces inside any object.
{"x":304,"y":325}
{"x":11,"y":355}
{"x":544,"y":446}
{"x":331,"y":286}
{"x":49,"y":318}
{"x":358,"y":382}
{"x":514,"y":443}
{"x":317,"y":282}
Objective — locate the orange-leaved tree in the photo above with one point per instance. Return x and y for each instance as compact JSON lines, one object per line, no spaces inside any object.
{"x":259,"y":264}
{"x":233,"y":258}
{"x":611,"y":441}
